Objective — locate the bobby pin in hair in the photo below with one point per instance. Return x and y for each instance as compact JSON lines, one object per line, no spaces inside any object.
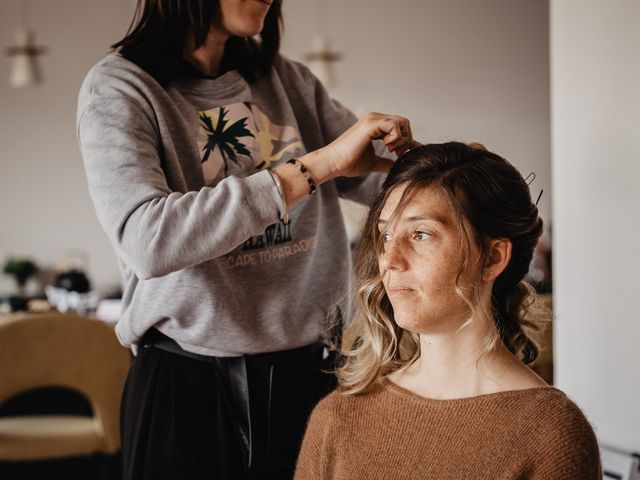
{"x":532,"y":174}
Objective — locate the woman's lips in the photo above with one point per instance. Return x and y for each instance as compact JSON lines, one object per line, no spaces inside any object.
{"x":398,"y":291}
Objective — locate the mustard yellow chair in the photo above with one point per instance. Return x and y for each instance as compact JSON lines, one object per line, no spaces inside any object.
{"x":55,"y":350}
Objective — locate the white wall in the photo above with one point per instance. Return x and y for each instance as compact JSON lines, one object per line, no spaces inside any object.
{"x":461,"y":69}
{"x":596,"y":183}
{"x":44,"y":205}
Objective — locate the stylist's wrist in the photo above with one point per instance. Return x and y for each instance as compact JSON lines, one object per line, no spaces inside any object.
{"x":294,"y":184}
{"x":319,"y":165}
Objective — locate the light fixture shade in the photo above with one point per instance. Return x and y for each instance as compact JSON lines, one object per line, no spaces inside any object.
{"x":320,"y":60}
{"x":25,"y":71}
{"x":320,"y":66}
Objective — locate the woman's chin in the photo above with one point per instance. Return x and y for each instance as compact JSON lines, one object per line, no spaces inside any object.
{"x":247,"y":29}
{"x":409,"y":322}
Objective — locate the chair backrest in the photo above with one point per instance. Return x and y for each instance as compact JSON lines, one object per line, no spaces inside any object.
{"x":79,"y":353}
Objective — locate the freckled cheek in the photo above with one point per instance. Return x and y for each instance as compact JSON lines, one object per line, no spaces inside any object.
{"x":437,"y":280}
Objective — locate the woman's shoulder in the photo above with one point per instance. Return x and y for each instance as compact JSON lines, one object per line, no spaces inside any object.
{"x":563,"y":441}
{"x":340,"y":406}
{"x":115,"y":76}
{"x":561,"y":422}
{"x":546,"y":407}
{"x":334,"y":405}
{"x":293,"y":72}
{"x":115,"y":66}
{"x":554,"y":403}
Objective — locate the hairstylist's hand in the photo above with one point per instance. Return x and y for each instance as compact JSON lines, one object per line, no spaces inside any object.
{"x":352,"y":154}
{"x":349,"y":155}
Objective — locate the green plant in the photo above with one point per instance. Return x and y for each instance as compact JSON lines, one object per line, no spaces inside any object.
{"x":21,"y":269}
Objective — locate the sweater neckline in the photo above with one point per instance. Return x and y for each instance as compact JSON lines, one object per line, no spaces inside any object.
{"x":228,"y":84}
{"x":397,"y":390}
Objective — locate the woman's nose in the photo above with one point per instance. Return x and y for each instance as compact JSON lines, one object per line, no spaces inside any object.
{"x":393,"y":257}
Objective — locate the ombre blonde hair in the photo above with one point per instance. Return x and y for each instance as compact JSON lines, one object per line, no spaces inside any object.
{"x":491,"y":200}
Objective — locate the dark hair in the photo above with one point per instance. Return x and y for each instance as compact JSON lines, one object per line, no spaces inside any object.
{"x":491,"y":200}
{"x":156,"y":36}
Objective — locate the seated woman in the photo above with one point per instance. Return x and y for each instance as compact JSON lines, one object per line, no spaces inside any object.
{"x":435,"y":382}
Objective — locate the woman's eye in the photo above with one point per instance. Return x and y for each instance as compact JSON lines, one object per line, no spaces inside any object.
{"x":421,"y":235}
{"x":386,"y":237}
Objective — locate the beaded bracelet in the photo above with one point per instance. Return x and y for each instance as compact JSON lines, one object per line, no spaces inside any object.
{"x":305,"y":172}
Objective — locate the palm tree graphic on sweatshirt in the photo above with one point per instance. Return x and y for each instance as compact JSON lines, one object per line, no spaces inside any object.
{"x":240,"y":139}
{"x":225,"y":138}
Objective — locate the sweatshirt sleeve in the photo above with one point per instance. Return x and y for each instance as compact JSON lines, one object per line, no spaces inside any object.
{"x":157,"y":231}
{"x":568,"y":447}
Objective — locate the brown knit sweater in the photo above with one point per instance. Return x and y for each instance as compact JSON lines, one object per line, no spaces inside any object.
{"x":393,"y":434}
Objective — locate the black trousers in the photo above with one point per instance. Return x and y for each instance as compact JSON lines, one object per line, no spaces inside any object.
{"x":187,"y":417}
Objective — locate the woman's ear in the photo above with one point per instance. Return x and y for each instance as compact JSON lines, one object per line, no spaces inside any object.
{"x":498,"y":256}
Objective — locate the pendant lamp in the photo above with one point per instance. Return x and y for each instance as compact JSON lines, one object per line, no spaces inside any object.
{"x":321,"y":58}
{"x":25,"y":69}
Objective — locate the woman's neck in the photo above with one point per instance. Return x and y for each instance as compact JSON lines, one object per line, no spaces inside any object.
{"x":207,"y":57}
{"x":454,"y":365}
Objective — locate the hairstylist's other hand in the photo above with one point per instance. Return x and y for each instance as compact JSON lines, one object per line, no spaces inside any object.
{"x":349,"y":155}
{"x":352,"y":154}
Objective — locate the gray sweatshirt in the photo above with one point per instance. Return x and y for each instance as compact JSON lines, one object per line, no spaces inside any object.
{"x":177,"y":176}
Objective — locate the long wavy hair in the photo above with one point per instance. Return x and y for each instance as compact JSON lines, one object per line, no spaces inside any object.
{"x":157,"y":34}
{"x":491,"y":200}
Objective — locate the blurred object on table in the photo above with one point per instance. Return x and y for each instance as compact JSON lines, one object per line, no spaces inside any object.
{"x":109,"y":310}
{"x":542,"y":312}
{"x":540,"y":269}
{"x":72,"y":289}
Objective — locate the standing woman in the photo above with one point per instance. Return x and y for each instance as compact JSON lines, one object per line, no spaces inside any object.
{"x":215,"y":166}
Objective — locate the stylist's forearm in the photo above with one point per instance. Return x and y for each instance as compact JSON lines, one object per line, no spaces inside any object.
{"x":294,"y":183}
